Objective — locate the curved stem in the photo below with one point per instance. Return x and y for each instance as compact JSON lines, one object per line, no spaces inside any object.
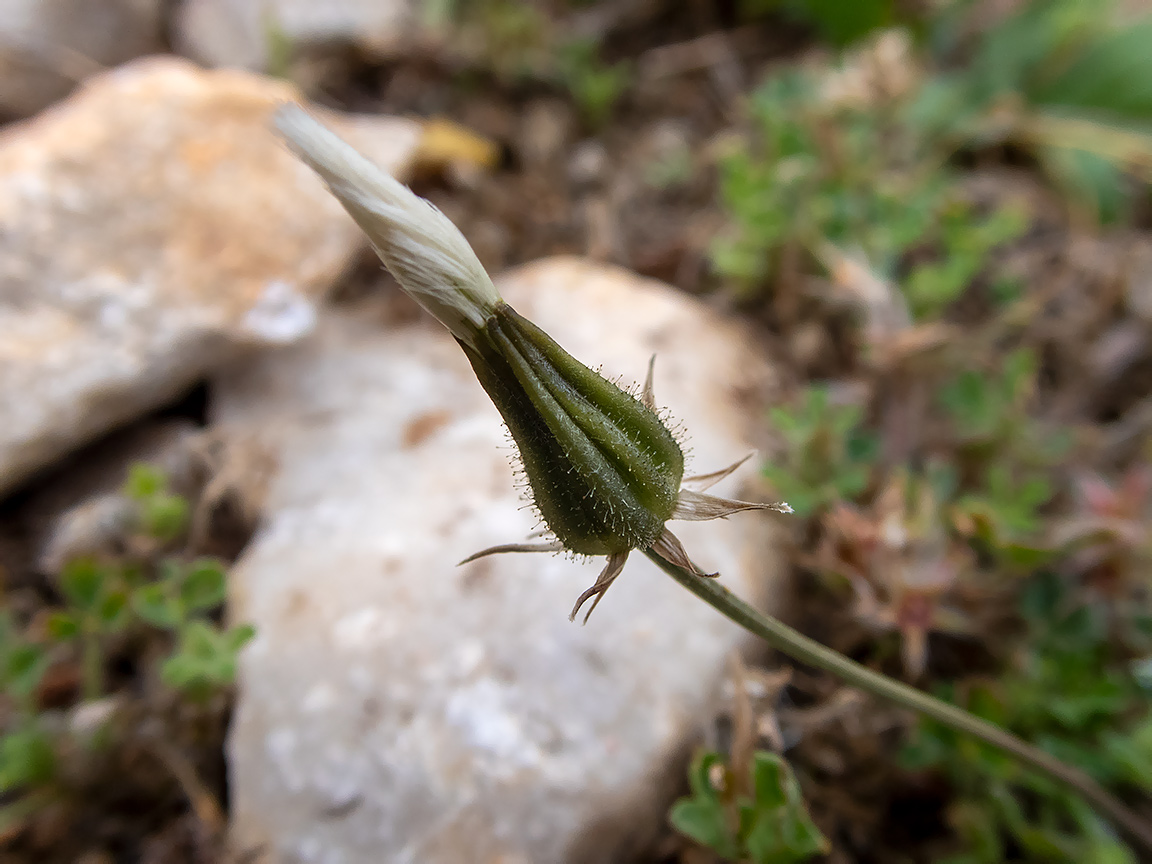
{"x":798,"y":646}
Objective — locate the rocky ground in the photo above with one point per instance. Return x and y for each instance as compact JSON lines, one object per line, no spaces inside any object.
{"x":175,"y":288}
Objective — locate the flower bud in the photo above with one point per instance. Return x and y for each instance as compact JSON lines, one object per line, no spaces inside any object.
{"x":606,"y":473}
{"x":604,"y":470}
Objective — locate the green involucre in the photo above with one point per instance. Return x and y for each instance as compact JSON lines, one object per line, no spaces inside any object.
{"x":604,"y":470}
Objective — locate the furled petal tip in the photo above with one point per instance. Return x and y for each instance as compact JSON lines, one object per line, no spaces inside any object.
{"x":417,"y":243}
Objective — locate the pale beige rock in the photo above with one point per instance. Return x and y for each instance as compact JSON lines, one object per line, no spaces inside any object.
{"x":394,"y":707}
{"x":48,"y":46}
{"x":241,"y":33}
{"x":150,"y":226}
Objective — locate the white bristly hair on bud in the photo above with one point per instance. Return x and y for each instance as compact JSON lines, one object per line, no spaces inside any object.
{"x":417,"y":243}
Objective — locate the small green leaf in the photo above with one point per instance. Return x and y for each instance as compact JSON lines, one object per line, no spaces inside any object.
{"x":705,"y":822}
{"x":112,"y":611}
{"x":703,"y":816}
{"x":239,"y":636}
{"x":204,"y":585}
{"x":182,"y":672}
{"x":26,"y":665}
{"x":154,"y":604}
{"x":27,"y":758}
{"x":199,"y":639}
{"x":81,"y":582}
{"x":63,"y":626}
{"x":779,"y":827}
{"x":144,"y":481}
{"x":205,"y":659}
{"x":165,"y":516}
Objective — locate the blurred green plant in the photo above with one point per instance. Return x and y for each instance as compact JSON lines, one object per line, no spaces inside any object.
{"x":990,"y":419}
{"x":1005,"y":516}
{"x":27,"y":752}
{"x":97,"y":599}
{"x":830,"y":165}
{"x":827,"y":456}
{"x":965,"y":245}
{"x":1072,"y":695}
{"x":204,"y":659}
{"x":595,"y":86}
{"x":838,"y":21}
{"x":103,"y":597}
{"x":766,"y":825}
{"x":161,"y":515}
{"x":1066,"y":79}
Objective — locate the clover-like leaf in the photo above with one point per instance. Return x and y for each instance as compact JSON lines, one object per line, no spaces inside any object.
{"x":703,"y":816}
{"x":155,"y":604}
{"x":205,"y":659}
{"x":204,"y":585}
{"x":778,"y":827}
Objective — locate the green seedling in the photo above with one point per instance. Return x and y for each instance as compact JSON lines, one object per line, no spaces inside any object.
{"x":205,"y":656}
{"x":1068,"y":692}
{"x":987,"y":410}
{"x":769,"y":825}
{"x":826,"y":457}
{"x":180,"y":592}
{"x":162,"y":515}
{"x":869,"y":178}
{"x":97,"y":599}
{"x":1005,"y":516}
{"x":966,"y":244}
{"x":990,"y":420}
{"x":103,"y":597}
{"x":22,"y":665}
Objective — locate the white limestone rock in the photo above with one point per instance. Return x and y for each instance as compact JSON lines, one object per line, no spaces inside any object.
{"x":241,"y":33}
{"x":151,"y":226}
{"x":395,"y":707}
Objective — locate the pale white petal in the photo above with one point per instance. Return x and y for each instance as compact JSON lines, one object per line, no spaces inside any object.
{"x":417,"y":243}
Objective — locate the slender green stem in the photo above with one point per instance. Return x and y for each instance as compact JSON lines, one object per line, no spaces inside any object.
{"x":799,"y":647}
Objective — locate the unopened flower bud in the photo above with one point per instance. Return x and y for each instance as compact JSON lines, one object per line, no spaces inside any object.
{"x":606,"y":473}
